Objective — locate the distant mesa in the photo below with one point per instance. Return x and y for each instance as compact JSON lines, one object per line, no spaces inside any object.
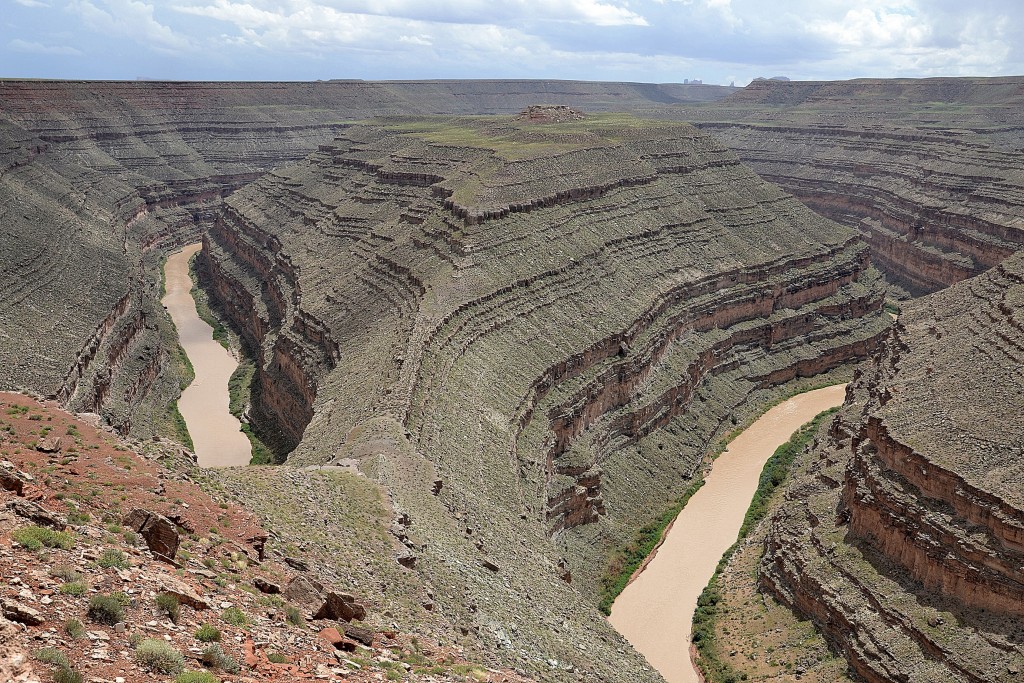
{"x":550,"y":113}
{"x":773,"y":78}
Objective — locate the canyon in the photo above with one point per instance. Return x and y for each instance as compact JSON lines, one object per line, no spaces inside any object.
{"x":530,"y":330}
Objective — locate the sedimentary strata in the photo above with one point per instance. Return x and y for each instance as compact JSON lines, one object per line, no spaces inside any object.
{"x":99,"y":179}
{"x":528,"y":332}
{"x":906,"y":544}
{"x":928,"y":170}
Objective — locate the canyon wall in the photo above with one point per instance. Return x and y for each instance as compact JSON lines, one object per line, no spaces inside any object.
{"x":906,"y":543}
{"x":100,"y":179}
{"x":930,"y":171}
{"x":529,"y":332}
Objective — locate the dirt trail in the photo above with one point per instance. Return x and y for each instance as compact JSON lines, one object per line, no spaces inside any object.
{"x":655,"y":612}
{"x":216,"y":433}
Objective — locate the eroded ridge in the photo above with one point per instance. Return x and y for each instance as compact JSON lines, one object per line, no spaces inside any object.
{"x":906,"y":546}
{"x":529,"y":334}
{"x":928,"y":170}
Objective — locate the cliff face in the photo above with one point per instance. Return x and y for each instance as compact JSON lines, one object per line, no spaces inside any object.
{"x":907,"y":545}
{"x":118,"y":173}
{"x":528,"y":333}
{"x":929,"y":171}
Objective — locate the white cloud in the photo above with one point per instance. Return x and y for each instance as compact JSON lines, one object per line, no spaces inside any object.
{"x":32,"y":3}
{"x":131,"y":19}
{"x":19,"y":45}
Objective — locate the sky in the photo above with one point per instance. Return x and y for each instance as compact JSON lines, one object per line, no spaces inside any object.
{"x":662,"y":41}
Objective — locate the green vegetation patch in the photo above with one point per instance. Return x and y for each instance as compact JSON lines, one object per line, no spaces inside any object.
{"x":159,"y":656}
{"x":36,"y":537}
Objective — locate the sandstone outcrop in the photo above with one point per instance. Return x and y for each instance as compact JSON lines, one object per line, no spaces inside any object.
{"x":552,"y":320}
{"x":906,"y":544}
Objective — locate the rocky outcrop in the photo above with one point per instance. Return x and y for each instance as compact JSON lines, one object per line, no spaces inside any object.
{"x":159,"y":533}
{"x":906,"y":543}
{"x":552,"y":321}
{"x":928,"y":171}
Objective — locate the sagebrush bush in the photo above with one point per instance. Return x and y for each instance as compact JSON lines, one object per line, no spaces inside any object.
{"x":66,"y":674}
{"x":52,"y":655}
{"x":169,"y":605}
{"x":75,"y":588}
{"x":293,"y":615}
{"x":35,"y":537}
{"x":215,"y":658}
{"x":112,"y":557}
{"x":158,"y":655}
{"x":196,"y":677}
{"x":234,"y":616}
{"x":208,"y":633}
{"x":74,"y":628}
{"x":106,"y":609}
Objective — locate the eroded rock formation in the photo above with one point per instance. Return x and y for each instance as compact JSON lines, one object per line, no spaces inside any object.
{"x":930,"y":171}
{"x":99,"y":179}
{"x":551,"y":320}
{"x":906,"y":546}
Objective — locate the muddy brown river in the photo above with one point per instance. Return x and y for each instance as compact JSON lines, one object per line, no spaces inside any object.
{"x":216,"y":433}
{"x":655,"y":611}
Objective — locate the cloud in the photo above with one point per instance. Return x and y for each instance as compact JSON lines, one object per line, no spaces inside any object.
{"x":19,"y":45}
{"x":641,"y":40}
{"x":131,"y":19}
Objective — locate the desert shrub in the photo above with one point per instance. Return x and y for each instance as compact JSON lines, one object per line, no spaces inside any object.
{"x":35,"y":537}
{"x":277,"y":658}
{"x":65,"y":573}
{"x":75,"y":588}
{"x":106,"y":609}
{"x":196,"y":677}
{"x":112,"y":557}
{"x":234,"y":616}
{"x":158,"y":655}
{"x":293,"y":615}
{"x":74,"y":628}
{"x":169,"y":605}
{"x":51,"y":655}
{"x":207,"y":634}
{"x":67,"y":675}
{"x":215,"y":658}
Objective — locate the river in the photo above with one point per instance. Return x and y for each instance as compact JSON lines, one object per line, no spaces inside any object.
{"x":216,"y":433}
{"x":655,"y":611}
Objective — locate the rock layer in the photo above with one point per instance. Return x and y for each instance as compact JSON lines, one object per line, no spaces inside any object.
{"x":551,"y":321}
{"x":98,"y":179}
{"x":907,"y":545}
{"x":928,"y":170}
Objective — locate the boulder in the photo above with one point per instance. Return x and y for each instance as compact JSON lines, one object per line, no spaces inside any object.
{"x":340,"y":607}
{"x":160,"y":534}
{"x":23,"y":614}
{"x":37,"y":514}
{"x":406,"y":558}
{"x":186,"y":594}
{"x":359,"y":633}
{"x":265,"y":586}
{"x":296,"y":563}
{"x":305,"y":592}
{"x":51,"y":444}
{"x":12,"y":482}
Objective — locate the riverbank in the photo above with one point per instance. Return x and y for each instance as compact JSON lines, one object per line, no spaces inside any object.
{"x":656,"y":610}
{"x":215,"y":432}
